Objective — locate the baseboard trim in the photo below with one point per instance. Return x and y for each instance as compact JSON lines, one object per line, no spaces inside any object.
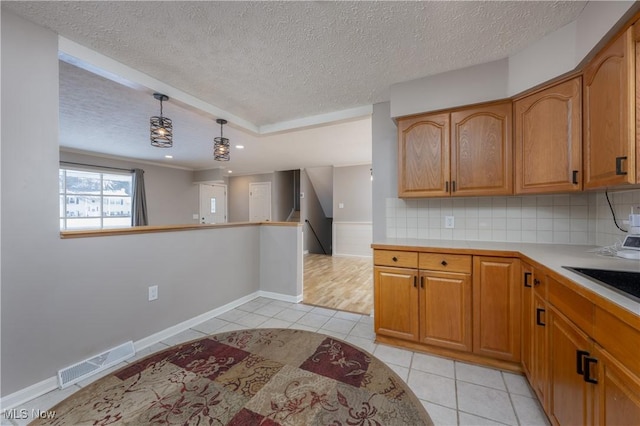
{"x":175,"y":329}
{"x":279,"y":296}
{"x":361,"y":256}
{"x":38,"y":389}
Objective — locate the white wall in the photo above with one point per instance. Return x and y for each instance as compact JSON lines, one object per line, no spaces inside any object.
{"x":64,"y":300}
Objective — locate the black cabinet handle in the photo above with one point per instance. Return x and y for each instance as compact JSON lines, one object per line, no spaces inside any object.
{"x":453,"y":186}
{"x":587,"y":374}
{"x":536,"y":282}
{"x":421,"y":282}
{"x":619,"y":165}
{"x":444,"y":263}
{"x":580,"y":361}
{"x":538,"y":320}
{"x":415,"y":283}
{"x":446,"y":186}
{"x":395,"y":259}
{"x":527,"y":275}
{"x":575,"y":177}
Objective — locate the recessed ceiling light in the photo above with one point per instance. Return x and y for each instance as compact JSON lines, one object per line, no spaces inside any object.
{"x":230,"y":171}
{"x":240,"y":146}
{"x":168,"y":156}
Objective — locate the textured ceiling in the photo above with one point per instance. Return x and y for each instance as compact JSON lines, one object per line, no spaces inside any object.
{"x":269,"y":62}
{"x":101,"y":116}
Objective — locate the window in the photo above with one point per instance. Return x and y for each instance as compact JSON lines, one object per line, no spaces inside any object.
{"x":94,"y":200}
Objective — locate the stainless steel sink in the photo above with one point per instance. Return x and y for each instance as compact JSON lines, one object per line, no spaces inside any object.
{"x":625,"y":282}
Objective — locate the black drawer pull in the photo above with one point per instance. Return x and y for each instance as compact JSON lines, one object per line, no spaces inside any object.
{"x":415,"y":283}
{"x":421,"y":282}
{"x":574,"y":178}
{"x":395,"y":259}
{"x":580,"y":361}
{"x":453,"y":186}
{"x":527,"y":275}
{"x":619,"y":165}
{"x":444,"y":263}
{"x":446,"y":186}
{"x":536,"y":282}
{"x":538,"y":320}
{"x":587,"y":374}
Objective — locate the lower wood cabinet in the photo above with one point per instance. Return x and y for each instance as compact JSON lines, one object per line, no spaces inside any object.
{"x":527,"y":322}
{"x":617,"y":395}
{"x":469,"y":304}
{"x":539,"y":378}
{"x":570,"y":369}
{"x":496,"y":307}
{"x":445,"y":306}
{"x":396,"y":302}
{"x":580,"y":354}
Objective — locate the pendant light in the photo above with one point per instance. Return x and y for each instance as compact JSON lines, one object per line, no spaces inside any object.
{"x":161,"y":127}
{"x":221,"y":144}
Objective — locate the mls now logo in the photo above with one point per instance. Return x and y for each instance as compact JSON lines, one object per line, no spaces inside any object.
{"x":21,"y":414}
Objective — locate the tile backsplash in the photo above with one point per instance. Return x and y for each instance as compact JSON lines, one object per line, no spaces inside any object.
{"x":583,"y":218}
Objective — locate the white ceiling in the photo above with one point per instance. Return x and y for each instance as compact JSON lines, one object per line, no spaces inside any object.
{"x":269,"y":62}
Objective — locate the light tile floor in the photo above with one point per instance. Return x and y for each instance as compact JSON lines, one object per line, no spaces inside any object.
{"x":454,"y":393}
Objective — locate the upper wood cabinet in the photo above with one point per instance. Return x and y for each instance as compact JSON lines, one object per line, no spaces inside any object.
{"x":548,"y":139}
{"x":463,"y":153}
{"x":481,"y":142}
{"x":423,"y":155}
{"x":609,"y":115}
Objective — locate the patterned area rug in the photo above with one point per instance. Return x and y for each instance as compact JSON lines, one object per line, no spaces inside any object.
{"x":249,"y":377}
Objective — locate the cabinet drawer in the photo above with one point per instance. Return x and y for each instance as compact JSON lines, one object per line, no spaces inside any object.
{"x":575,"y":307}
{"x":402,"y":259}
{"x":619,"y":338}
{"x":445,"y":262}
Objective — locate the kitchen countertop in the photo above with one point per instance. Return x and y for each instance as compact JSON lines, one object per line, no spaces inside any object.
{"x":553,"y":256}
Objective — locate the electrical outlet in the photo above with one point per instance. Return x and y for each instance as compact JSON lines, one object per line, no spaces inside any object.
{"x":341,"y":205}
{"x":449,"y":222}
{"x":153,"y":292}
{"x":195,"y":216}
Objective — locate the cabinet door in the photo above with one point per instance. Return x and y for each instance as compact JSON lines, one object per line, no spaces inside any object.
{"x":528,"y":315}
{"x":539,"y":361}
{"x":618,"y":395}
{"x":609,"y":115}
{"x":481,"y":151}
{"x":396,"y":302}
{"x":423,"y":156}
{"x":496,"y":307}
{"x":569,"y":394}
{"x":445,"y":309}
{"x":548,"y":140}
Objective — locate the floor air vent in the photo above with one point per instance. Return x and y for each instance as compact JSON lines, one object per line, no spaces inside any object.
{"x":76,"y":372}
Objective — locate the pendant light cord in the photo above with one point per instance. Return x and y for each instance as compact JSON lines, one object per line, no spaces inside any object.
{"x":606,"y":193}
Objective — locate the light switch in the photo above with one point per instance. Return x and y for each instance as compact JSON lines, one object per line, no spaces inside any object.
{"x":341,"y":205}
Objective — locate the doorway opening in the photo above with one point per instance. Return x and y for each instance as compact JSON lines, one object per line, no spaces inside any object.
{"x":339,"y":282}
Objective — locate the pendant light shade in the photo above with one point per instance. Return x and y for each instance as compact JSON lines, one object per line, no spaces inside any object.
{"x":221,"y":144}
{"x":161,"y":127}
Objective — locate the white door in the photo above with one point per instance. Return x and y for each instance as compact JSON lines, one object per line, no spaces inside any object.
{"x":260,"y":201}
{"x":213,"y":203}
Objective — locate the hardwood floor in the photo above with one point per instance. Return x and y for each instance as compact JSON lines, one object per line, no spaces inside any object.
{"x":344,"y":283}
